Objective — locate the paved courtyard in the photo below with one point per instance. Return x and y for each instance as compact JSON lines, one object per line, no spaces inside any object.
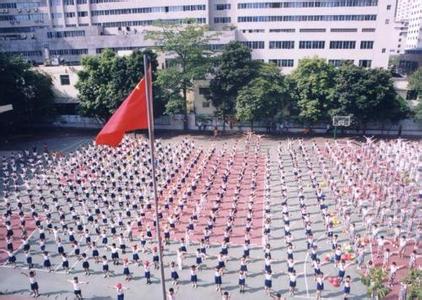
{"x":54,"y":285}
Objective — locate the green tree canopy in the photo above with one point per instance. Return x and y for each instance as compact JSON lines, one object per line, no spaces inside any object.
{"x":188,"y":47}
{"x":264,"y":96}
{"x":313,"y":83}
{"x":234,"y":69}
{"x":29,"y":91}
{"x":366,"y":95}
{"x":107,"y":79}
{"x":415,"y":82}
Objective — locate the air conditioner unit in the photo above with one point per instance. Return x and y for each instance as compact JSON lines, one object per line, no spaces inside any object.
{"x":19,"y":10}
{"x":24,"y":36}
{"x":36,"y":9}
{"x":28,"y":10}
{"x":6,"y":10}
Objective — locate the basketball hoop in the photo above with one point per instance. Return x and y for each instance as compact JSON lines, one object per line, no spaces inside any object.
{"x":342,"y":121}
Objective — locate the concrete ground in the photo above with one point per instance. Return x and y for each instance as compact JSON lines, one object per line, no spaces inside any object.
{"x":54,"y":285}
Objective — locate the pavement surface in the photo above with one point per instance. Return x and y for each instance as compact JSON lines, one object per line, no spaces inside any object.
{"x":54,"y":285}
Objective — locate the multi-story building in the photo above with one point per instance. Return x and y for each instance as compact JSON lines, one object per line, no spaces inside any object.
{"x":279,"y":31}
{"x":410,"y":12}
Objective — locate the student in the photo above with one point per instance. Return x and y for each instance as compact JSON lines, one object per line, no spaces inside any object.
{"x":147,"y":272}
{"x":319,"y":285}
{"x":217,"y":278}
{"x":155,"y":258}
{"x":193,"y":276}
{"x":268,"y":282}
{"x":76,"y":287}
{"x":292,"y":282}
{"x":33,"y":283}
{"x":174,"y":274}
{"x":242,"y":281}
{"x":47,"y":263}
{"x":171,"y":295}
{"x":106,"y":268}
{"x":120,"y":291}
{"x":347,"y":284}
{"x":126,"y":271}
{"x":65,"y":263}
{"x":85,"y":264}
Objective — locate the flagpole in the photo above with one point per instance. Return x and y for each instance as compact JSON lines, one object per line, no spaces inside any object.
{"x":150,"y":111}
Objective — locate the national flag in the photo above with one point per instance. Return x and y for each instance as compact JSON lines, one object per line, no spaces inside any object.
{"x":131,"y":115}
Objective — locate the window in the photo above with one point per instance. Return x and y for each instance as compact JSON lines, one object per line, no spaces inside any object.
{"x":365,"y":63}
{"x":204,"y":91}
{"x":282,"y":44}
{"x":311,"y":44}
{"x":342,"y":45}
{"x":65,"y":34}
{"x":282,"y":62}
{"x":205,"y":104}
{"x":253,"y":30}
{"x":344,"y":30}
{"x":367,"y":44}
{"x":388,"y":7}
{"x":220,"y":20}
{"x":81,"y":1}
{"x":312,"y":30}
{"x":223,"y":6}
{"x":387,"y":21}
{"x":70,"y":14}
{"x":368,"y":29}
{"x":64,"y":80}
{"x":82,"y":13}
{"x":283,"y":30}
{"x":68,"y":51}
{"x":254,"y":44}
{"x":300,"y":4}
{"x":339,"y":62}
{"x":68,"y":2}
{"x":306,"y":18}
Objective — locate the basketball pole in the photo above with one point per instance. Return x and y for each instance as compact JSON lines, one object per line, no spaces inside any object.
{"x":335,"y":132}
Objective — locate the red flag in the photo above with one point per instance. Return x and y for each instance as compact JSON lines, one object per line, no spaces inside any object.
{"x":131,"y":115}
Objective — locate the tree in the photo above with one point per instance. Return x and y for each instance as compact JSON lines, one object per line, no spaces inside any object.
{"x":415,"y":82}
{"x":29,"y":91}
{"x":313,"y":83}
{"x":188,"y":45}
{"x":106,"y":80}
{"x":233,"y":71}
{"x":366,"y":95}
{"x":414,"y":282}
{"x":263,"y":97}
{"x":375,"y":283}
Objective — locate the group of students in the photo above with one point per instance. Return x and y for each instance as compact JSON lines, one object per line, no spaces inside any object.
{"x":380,"y":184}
{"x":98,"y":201}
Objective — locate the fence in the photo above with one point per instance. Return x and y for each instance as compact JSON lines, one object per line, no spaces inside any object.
{"x":408,"y":127}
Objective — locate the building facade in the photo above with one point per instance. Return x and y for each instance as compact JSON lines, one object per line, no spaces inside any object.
{"x":410,"y":12}
{"x":278,"y":31}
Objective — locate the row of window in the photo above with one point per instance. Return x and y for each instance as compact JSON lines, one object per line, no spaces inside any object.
{"x":309,"y":44}
{"x":222,"y":20}
{"x":26,"y":53}
{"x":148,"y":22}
{"x":20,"y":5}
{"x":320,"y":45}
{"x":72,"y":14}
{"x":147,"y":10}
{"x":307,"y":18}
{"x":68,"y":51}
{"x":224,"y":6}
{"x":322,"y":30}
{"x":65,"y":34}
{"x":366,"y":63}
{"x":17,"y":29}
{"x":22,"y":17}
{"x":337,"y":3}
